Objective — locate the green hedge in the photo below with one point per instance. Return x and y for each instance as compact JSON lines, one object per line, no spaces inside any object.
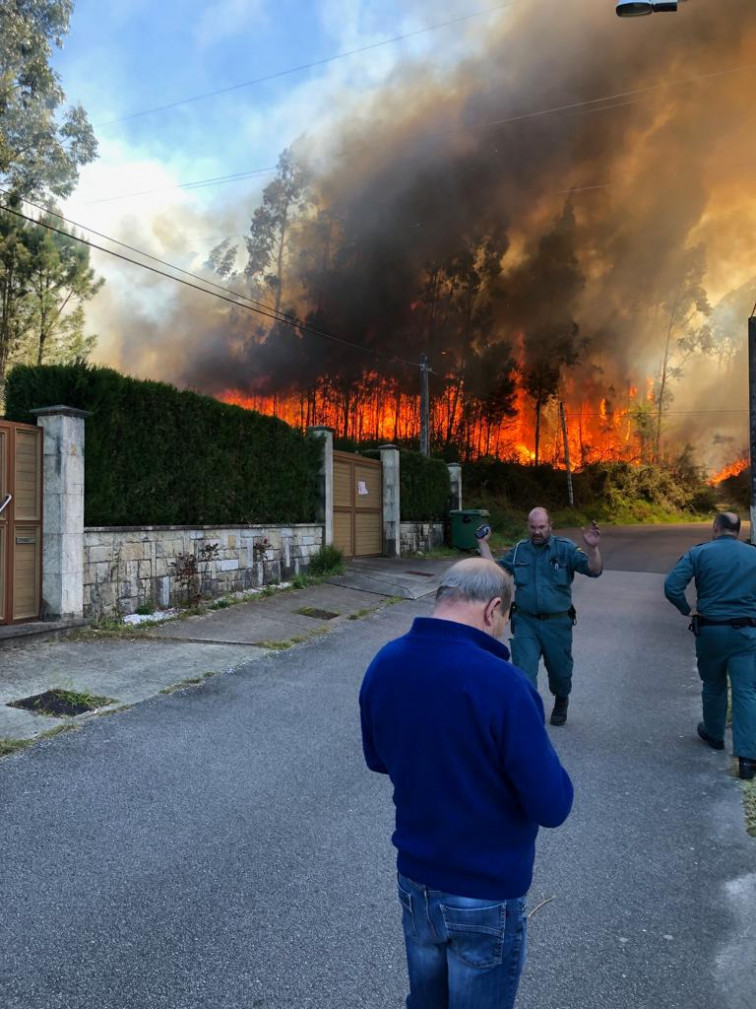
{"x":424,"y":488}
{"x":158,"y":456}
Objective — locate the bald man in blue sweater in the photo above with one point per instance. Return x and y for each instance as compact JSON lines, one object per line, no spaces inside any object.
{"x":460,"y":732}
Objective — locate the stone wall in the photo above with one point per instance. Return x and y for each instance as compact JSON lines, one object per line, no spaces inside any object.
{"x":420,"y":537}
{"x":126,"y":567}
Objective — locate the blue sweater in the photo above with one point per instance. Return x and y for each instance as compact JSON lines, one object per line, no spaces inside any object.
{"x":460,"y":731}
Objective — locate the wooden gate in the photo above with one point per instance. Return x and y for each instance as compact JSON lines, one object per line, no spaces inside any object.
{"x":357,"y":505}
{"x":20,"y":522}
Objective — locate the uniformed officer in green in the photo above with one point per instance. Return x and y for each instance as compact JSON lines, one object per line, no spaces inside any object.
{"x":724,"y":622}
{"x":543,"y":568}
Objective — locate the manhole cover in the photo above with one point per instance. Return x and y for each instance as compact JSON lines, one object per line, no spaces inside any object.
{"x":60,"y":703}
{"x":316,"y":614}
{"x":420,"y":574}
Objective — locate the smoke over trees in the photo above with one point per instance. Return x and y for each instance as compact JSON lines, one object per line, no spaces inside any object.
{"x":564,"y":215}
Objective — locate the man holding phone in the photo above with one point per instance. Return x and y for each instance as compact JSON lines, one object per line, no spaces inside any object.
{"x":544,"y":567}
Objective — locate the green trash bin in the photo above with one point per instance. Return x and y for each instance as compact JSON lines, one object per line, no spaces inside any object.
{"x":464,"y":522}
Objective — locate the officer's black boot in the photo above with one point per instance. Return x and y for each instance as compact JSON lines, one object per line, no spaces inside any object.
{"x":715,"y":744}
{"x":559,"y":714}
{"x":747,"y":768}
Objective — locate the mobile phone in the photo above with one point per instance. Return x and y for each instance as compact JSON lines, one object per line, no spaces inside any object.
{"x":482,"y":531}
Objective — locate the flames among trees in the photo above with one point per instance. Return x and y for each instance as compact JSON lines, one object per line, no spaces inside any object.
{"x":537,"y":242}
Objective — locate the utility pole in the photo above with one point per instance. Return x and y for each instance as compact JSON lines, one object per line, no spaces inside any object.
{"x":424,"y":407}
{"x":752,"y":415}
{"x":566,"y":454}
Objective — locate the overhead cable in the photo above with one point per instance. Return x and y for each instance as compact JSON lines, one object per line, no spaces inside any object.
{"x":589,"y":105}
{"x":305,"y":66}
{"x":230,"y":296}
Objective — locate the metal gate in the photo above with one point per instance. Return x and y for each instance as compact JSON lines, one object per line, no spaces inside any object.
{"x":20,"y":522}
{"x":357,"y":505}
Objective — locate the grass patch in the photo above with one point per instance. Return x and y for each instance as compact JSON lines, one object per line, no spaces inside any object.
{"x":190,"y":681}
{"x":329,"y":560}
{"x":298,"y":639}
{"x":62,"y":702}
{"x":359,"y":614}
{"x":317,"y":614}
{"x":10,"y":746}
{"x":749,"y":806}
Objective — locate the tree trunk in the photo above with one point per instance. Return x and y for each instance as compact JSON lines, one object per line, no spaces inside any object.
{"x":537,"y":430}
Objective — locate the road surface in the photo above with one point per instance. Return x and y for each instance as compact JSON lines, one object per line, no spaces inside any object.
{"x":225,"y":847}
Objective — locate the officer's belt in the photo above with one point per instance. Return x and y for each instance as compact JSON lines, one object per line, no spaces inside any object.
{"x":733,"y":622}
{"x":542,"y":616}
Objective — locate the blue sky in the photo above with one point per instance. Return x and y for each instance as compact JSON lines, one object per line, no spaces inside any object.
{"x":126,"y":56}
{"x":142,"y":55}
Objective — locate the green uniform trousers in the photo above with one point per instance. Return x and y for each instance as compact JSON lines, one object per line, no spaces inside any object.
{"x":552,"y":639}
{"x":723,"y":650}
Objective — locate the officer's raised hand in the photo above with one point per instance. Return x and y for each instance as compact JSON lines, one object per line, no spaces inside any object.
{"x":592,"y":538}
{"x":483,"y":535}
{"x":592,"y":535}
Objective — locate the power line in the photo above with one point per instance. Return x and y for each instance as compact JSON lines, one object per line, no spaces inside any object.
{"x":230,"y":296}
{"x":189,"y":186}
{"x":597,"y":103}
{"x":304,"y":66}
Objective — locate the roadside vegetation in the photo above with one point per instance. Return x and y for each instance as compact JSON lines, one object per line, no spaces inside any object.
{"x":611,"y":493}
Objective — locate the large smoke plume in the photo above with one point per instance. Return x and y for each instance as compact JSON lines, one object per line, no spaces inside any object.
{"x":607,"y":235}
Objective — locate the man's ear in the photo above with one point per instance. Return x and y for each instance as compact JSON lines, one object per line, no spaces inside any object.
{"x":491,"y":608}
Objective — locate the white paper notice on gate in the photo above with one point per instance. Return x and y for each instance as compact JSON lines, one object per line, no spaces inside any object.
{"x":362,"y":488}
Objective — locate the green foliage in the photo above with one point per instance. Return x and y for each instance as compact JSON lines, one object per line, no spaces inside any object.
{"x":329,"y":560}
{"x":621,"y":493}
{"x":45,"y":280}
{"x":158,"y":456}
{"x":40,"y":148}
{"x":424,"y":488}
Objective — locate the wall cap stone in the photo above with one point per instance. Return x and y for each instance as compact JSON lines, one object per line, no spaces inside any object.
{"x":220,"y":525}
{"x":61,"y":411}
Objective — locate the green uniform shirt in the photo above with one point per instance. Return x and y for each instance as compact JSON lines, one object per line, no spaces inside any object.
{"x":543,"y":575}
{"x":725,"y":576}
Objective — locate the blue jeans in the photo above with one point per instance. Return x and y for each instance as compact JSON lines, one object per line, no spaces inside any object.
{"x":462,"y":953}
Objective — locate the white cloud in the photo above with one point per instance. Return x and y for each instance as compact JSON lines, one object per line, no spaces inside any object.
{"x":226,"y":18}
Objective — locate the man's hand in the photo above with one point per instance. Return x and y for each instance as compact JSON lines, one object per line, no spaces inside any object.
{"x":483,"y":548}
{"x":592,"y":536}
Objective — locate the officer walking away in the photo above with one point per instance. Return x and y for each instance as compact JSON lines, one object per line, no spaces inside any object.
{"x":460,"y":732}
{"x":543,"y":568}
{"x":724,"y":623}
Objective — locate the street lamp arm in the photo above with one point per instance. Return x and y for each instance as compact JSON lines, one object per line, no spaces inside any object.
{"x":640,"y":8}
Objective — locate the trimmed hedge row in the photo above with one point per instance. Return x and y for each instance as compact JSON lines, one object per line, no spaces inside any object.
{"x":158,"y":456}
{"x":424,"y":488}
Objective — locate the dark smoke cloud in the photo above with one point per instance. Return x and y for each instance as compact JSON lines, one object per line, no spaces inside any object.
{"x":430,"y":168}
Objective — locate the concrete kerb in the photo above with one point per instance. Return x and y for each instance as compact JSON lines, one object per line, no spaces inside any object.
{"x":134,"y":667}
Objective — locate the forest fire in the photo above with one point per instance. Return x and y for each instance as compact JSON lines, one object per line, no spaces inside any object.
{"x":600,"y":256}
{"x":377,"y":410}
{"x":734,"y":469}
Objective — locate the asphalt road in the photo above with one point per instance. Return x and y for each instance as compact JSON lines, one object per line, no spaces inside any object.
{"x":225,"y":846}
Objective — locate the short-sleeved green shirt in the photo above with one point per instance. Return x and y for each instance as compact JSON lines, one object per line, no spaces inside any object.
{"x":543,"y":575}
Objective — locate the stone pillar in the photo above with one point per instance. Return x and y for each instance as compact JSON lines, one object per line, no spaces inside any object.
{"x":325,"y":515}
{"x":455,"y":479}
{"x":62,"y":511}
{"x":392,"y":541}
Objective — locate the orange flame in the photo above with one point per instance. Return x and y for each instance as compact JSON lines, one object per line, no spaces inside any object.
{"x":734,"y":469}
{"x":377,"y":409}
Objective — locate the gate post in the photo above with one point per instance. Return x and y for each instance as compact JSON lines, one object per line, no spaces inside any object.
{"x":326,"y":481}
{"x":62,"y":511}
{"x":455,"y":479}
{"x":392,"y":539}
